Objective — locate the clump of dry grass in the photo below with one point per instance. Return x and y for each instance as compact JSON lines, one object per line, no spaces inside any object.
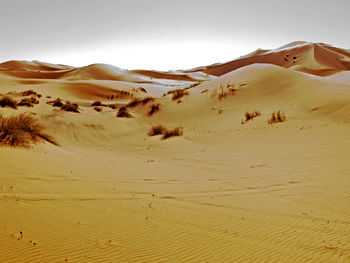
{"x":21,"y":131}
{"x":29,"y":102}
{"x":250,"y":115}
{"x":154,"y":109}
{"x":30,"y":92}
{"x":178,"y":94}
{"x":96,"y":103}
{"x":72,"y":107}
{"x":6,"y":101}
{"x":277,"y":117}
{"x":56,"y":103}
{"x":68,"y":106}
{"x":136,"y":102}
{"x":226,"y":90}
{"x":166,"y":133}
{"x":113,"y":106}
{"x":123,"y":113}
{"x":98,"y":109}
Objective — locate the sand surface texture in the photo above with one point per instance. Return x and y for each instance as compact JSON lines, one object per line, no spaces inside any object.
{"x":227,"y":189}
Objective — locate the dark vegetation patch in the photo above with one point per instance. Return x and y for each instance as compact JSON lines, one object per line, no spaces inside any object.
{"x":98,"y":109}
{"x":68,"y":106}
{"x":96,"y":103}
{"x":28,"y":102}
{"x":277,"y":117}
{"x":154,"y":108}
{"x":250,"y":116}
{"x":123,"y":113}
{"x":136,"y":102}
{"x":6,"y":101}
{"x":21,"y":131}
{"x":166,"y":133}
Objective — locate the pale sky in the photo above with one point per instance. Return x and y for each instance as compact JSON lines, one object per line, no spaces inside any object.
{"x":162,"y":34}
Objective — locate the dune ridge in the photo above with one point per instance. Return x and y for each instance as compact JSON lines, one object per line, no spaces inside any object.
{"x":233,"y":183}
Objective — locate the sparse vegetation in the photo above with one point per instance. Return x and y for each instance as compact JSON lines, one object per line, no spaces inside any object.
{"x":277,"y":117}
{"x":226,"y":90}
{"x":136,"y":102}
{"x":29,"y":102}
{"x":156,"y":130}
{"x":6,"y":101}
{"x":21,"y":131}
{"x":72,"y":107}
{"x":29,"y":93}
{"x":154,"y":109}
{"x":68,"y":106}
{"x":56,"y":103}
{"x":249,"y":116}
{"x":96,"y":103}
{"x":166,"y":133}
{"x":113,"y":106}
{"x":178,"y":94}
{"x":123,"y":113}
{"x":98,"y":109}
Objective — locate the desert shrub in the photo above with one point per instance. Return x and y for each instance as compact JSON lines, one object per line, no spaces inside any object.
{"x":250,"y":115}
{"x":56,"y":103}
{"x":142,"y":90}
{"x":98,"y":109}
{"x":96,"y":103}
{"x":156,"y":130}
{"x":171,"y":133}
{"x":6,"y":101}
{"x":123,"y":113}
{"x":136,"y":102}
{"x":113,"y":106}
{"x":21,"y":131}
{"x":29,"y":102}
{"x":178,"y":94}
{"x":226,"y":90}
{"x":160,"y":130}
{"x":72,"y":107}
{"x":29,"y":93}
{"x":277,"y":117}
{"x":48,"y":97}
{"x":154,"y":109}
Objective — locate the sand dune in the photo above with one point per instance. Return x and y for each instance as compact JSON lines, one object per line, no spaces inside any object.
{"x":233,"y":185}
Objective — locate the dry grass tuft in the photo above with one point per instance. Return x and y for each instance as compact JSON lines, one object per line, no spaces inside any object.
{"x":29,"y":102}
{"x":21,"y":131}
{"x":154,"y":109}
{"x":160,"y":130}
{"x":250,"y":116}
{"x":56,"y":103}
{"x":277,"y":117}
{"x":72,"y":107}
{"x":6,"y":101}
{"x":98,"y":109}
{"x":136,"y":102}
{"x":30,"y":92}
{"x":96,"y":103}
{"x":123,"y":113}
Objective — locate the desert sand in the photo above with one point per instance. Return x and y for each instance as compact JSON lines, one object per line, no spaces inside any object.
{"x":227,"y":189}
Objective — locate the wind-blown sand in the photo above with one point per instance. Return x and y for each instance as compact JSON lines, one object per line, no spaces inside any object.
{"x":224,"y":191}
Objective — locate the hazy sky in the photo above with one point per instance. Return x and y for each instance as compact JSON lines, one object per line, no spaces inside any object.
{"x":162,"y":34}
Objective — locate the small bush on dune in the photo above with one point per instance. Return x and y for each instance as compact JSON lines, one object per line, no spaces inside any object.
{"x":136,"y":102}
{"x":96,"y":103}
{"x":21,"y":131}
{"x":154,"y":109}
{"x":277,"y":117}
{"x":6,"y":101}
{"x":160,"y":130}
{"x":98,"y":109}
{"x":178,"y":94}
{"x":123,"y":113}
{"x":113,"y":106}
{"x":171,"y":133}
{"x":249,"y":116}
{"x":72,"y":107}
{"x":29,"y":102}
{"x":156,"y":130}
{"x":29,"y":93}
{"x":56,"y":103}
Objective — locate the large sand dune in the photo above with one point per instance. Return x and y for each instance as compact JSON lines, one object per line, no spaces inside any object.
{"x":229,"y":189}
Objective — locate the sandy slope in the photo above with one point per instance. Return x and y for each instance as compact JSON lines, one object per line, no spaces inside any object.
{"x":222,"y":192}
